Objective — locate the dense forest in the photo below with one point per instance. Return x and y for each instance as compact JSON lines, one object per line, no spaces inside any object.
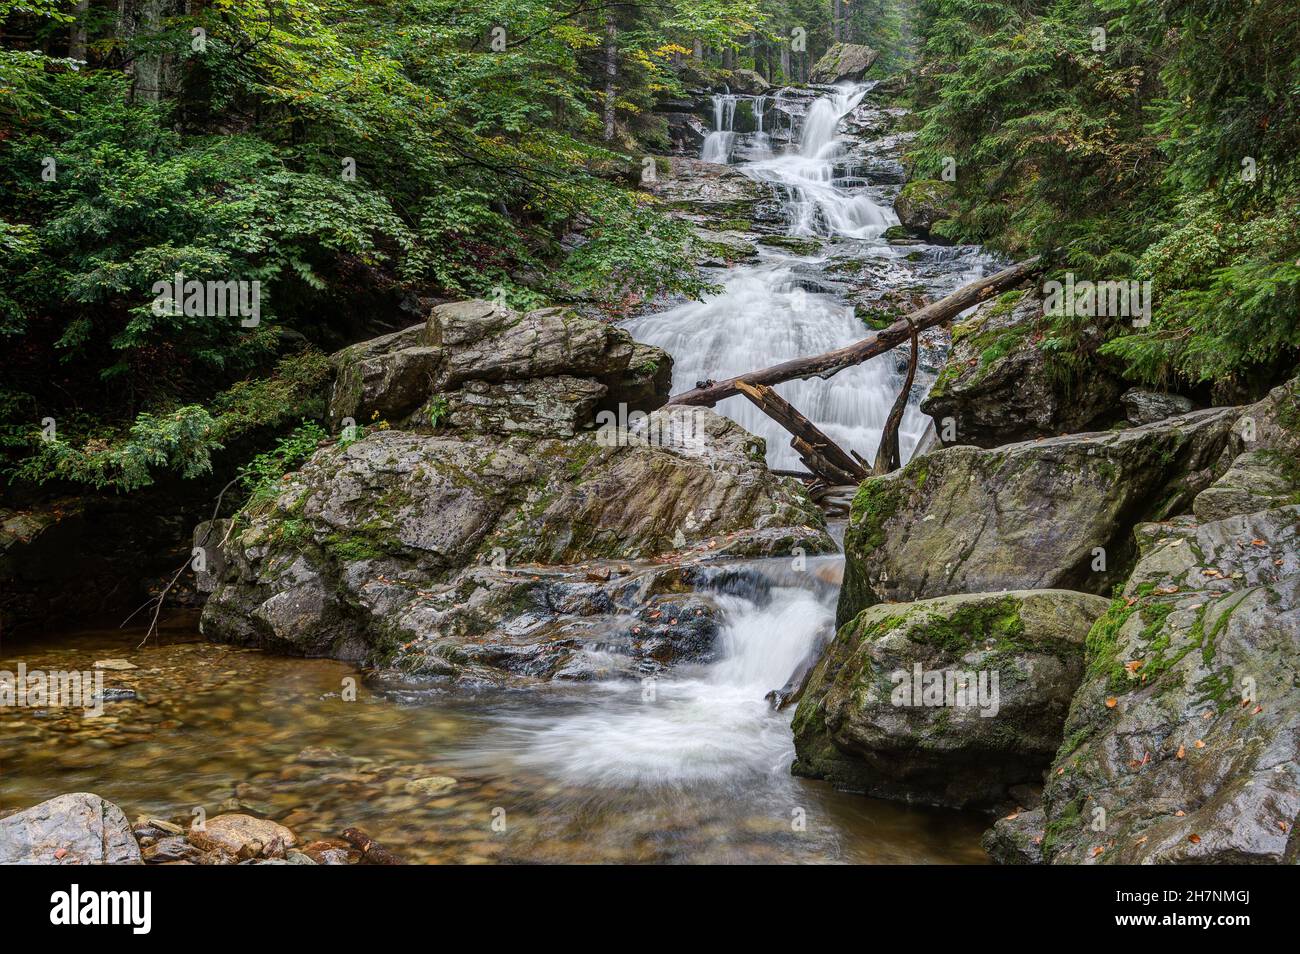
{"x":352,"y":159}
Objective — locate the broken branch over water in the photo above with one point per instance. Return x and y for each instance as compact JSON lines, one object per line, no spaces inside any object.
{"x":832,"y":362}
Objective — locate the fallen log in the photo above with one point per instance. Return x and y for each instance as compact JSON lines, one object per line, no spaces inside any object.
{"x":888,"y":457}
{"x":831,"y":362}
{"x":821,"y":455}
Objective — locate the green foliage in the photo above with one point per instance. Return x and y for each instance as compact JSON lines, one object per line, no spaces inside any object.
{"x":1129,"y":156}
{"x":261,"y":476}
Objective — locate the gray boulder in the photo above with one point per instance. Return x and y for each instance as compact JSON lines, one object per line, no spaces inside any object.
{"x":1016,"y":839}
{"x":74,"y":829}
{"x":998,"y":386}
{"x":843,"y":63}
{"x":1146,"y":407}
{"x":418,"y":550}
{"x":1031,"y":515}
{"x":882,"y":712}
{"x":748,"y":81}
{"x":393,"y":377}
{"x":1180,"y":746}
{"x":1257,"y":480}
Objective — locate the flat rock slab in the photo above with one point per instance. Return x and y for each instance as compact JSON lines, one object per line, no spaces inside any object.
{"x":74,"y":829}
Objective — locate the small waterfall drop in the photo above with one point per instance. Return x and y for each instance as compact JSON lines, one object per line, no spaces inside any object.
{"x":706,"y":723}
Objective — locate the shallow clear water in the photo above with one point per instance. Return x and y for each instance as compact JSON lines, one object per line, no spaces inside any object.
{"x":696,"y":771}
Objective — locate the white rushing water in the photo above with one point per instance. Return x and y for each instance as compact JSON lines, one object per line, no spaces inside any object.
{"x":701,"y":724}
{"x":765,"y":315}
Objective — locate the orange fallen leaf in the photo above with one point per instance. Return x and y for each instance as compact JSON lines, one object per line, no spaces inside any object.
{"x":1142,"y":840}
{"x":1258,"y":710}
{"x":1194,"y":838}
{"x":61,"y":853}
{"x":1112,"y":702}
{"x":1282,"y":825}
{"x":1182,"y":751}
{"x":1180,"y":813}
{"x":1096,"y":851}
{"x":1259,"y":543}
{"x":1199,"y":743}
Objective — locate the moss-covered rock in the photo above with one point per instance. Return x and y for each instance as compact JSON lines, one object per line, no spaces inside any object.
{"x":1051,"y":513}
{"x":506,"y":359}
{"x":998,"y":385}
{"x":922,"y":204}
{"x":843,"y":63}
{"x":885,"y":711}
{"x":1180,"y":746}
{"x":431,"y":552}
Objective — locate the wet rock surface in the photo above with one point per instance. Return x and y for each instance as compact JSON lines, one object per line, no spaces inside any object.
{"x":73,"y":829}
{"x":950,"y":701}
{"x":1028,"y":515}
{"x":1181,"y":743}
{"x":450,"y":548}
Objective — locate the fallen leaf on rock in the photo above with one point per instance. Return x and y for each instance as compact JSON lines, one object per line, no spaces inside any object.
{"x":1112,"y":702}
{"x":1182,"y":751}
{"x":1199,"y":743}
{"x":1097,"y":851}
{"x":1180,"y":813}
{"x":1194,"y":838}
{"x":61,"y":854}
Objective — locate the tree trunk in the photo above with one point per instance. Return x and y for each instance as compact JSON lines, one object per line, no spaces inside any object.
{"x":888,"y":457}
{"x":831,"y":362}
{"x":611,"y":72}
{"x":821,"y":455}
{"x":77,"y":42}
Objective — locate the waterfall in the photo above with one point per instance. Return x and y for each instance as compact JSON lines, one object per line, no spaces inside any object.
{"x":719,"y":143}
{"x":775,"y":310}
{"x":705,"y":724}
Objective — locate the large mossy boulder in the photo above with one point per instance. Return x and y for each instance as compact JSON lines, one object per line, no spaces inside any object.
{"x":886,"y":710}
{"x":922,"y":204}
{"x":843,"y":63}
{"x":418,"y":549}
{"x":998,"y":386}
{"x":1050,"y":513}
{"x":1180,"y":746}
{"x":511,"y":365}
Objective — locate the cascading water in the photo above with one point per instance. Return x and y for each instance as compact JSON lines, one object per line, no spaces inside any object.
{"x":766,"y":313}
{"x":719,"y":143}
{"x":706,"y":723}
